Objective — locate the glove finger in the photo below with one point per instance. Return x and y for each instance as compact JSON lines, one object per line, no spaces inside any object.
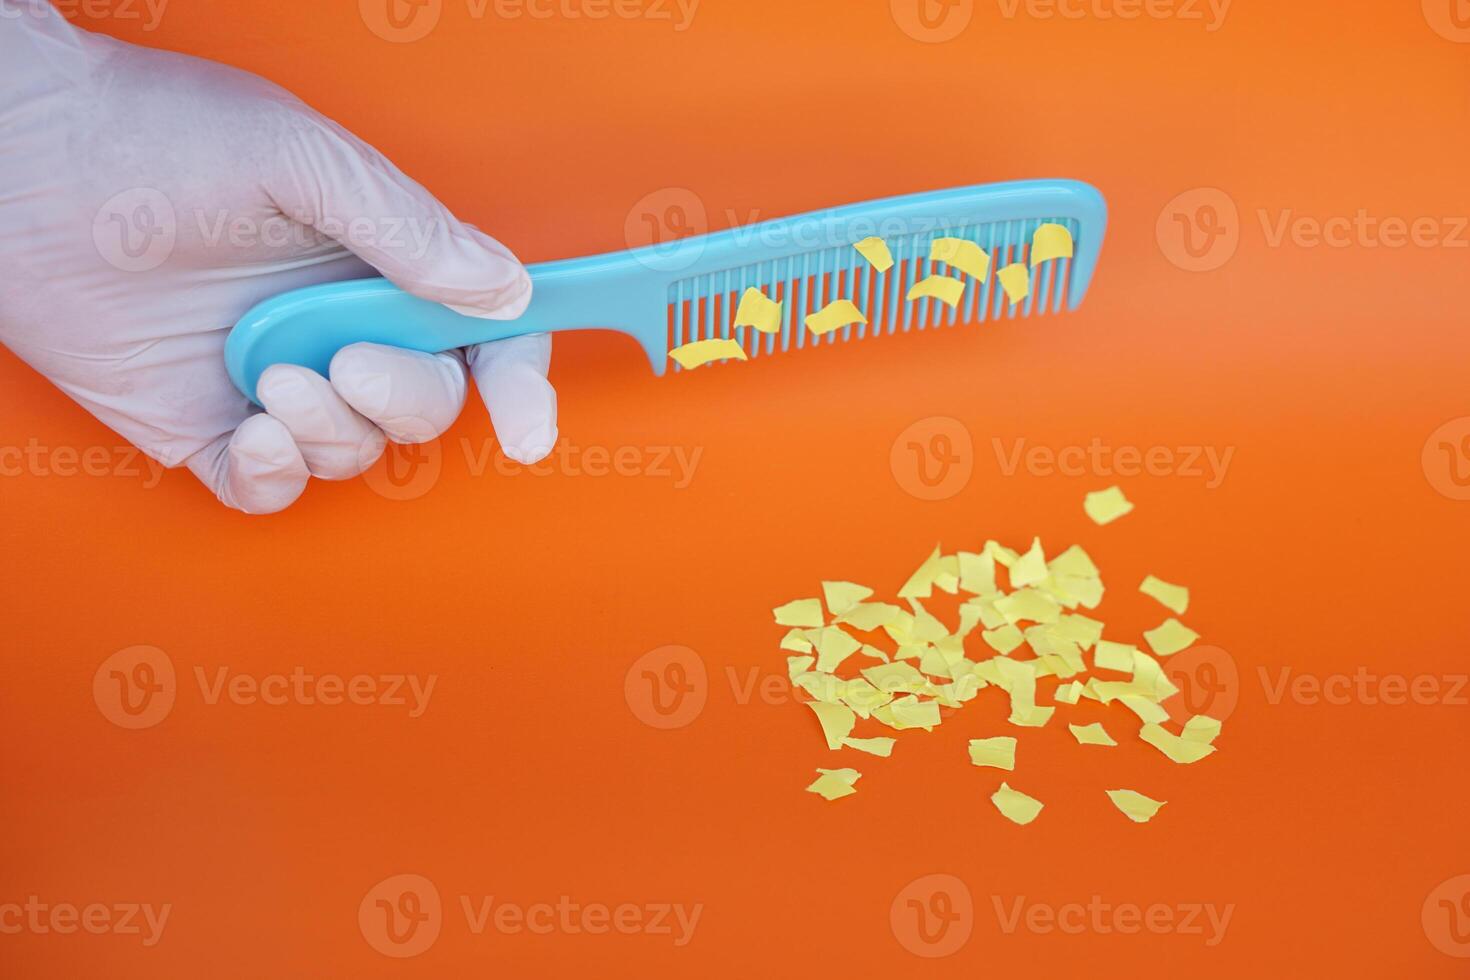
{"x":256,"y":469}
{"x":411,"y":396}
{"x":336,"y":442}
{"x":329,"y":179}
{"x":511,"y":376}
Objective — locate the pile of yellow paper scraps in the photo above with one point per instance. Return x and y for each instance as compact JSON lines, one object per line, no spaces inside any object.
{"x":899,"y":665}
{"x":757,"y":310}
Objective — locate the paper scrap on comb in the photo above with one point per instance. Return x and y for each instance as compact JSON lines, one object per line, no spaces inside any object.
{"x":942,"y":288}
{"x":1172,"y":597}
{"x":998,"y":753}
{"x":759,"y":311}
{"x":1093,"y":734}
{"x":1201,"y":728}
{"x":962,"y":254}
{"x":1051,"y":241}
{"x":1178,"y":749}
{"x":1106,"y":506}
{"x":836,"y":720}
{"x":1015,"y":806}
{"x":701,"y":352}
{"x":1015,"y":279}
{"x":834,"y":784}
{"x":875,"y":250}
{"x":838,"y":313}
{"x":1135,"y":806}
{"x":799,"y":612}
{"x":1169,"y":637}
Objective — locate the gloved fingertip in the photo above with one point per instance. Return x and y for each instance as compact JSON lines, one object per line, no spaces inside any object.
{"x":533,"y":446}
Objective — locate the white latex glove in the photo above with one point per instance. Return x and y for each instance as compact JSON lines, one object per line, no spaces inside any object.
{"x":148,"y":199}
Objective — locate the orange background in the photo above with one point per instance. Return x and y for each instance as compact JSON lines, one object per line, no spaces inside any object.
{"x":1326,"y":548}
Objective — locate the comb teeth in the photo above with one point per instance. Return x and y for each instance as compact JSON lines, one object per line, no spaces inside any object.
{"x":703,"y":307}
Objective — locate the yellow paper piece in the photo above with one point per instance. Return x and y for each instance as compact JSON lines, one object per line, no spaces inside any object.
{"x":1201,"y":728}
{"x":921,"y":584}
{"x":1087,"y":592}
{"x":1030,"y":568}
{"x":1014,"y":806}
{"x":1003,"y":640}
{"x":826,"y":688}
{"x":1078,"y":629}
{"x":842,"y":596}
{"x":701,"y":352}
{"x":1106,"y":506}
{"x":1073,"y":561}
{"x":759,"y":311}
{"x":874,"y":652}
{"x":1093,"y":734}
{"x":1069,"y":693}
{"x":834,"y":645}
{"x":863,"y":698}
{"x":1170,"y":637}
{"x":796,"y":641}
{"x":836,"y":720}
{"x":1151,"y":679}
{"x":1001,"y":553}
{"x":998,"y":753}
{"x":1015,"y":279}
{"x":796,"y":666}
{"x":1031,"y":715}
{"x":1172,"y":597}
{"x":1029,"y":604}
{"x":977,"y":573}
{"x":895,"y":678}
{"x":964,"y":255}
{"x":834,"y":784}
{"x":868,"y":616}
{"x":1135,"y":806}
{"x":799,"y":612}
{"x":1050,"y":242}
{"x":1114,"y":656}
{"x":875,"y":250}
{"x":1178,"y":749}
{"x":838,"y":313}
{"x":942,"y":288}
{"x":873,"y":746}
{"x":909,"y":712}
{"x":1147,"y":709}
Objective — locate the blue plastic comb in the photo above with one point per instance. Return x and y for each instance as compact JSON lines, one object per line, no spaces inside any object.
{"x":671,"y":294}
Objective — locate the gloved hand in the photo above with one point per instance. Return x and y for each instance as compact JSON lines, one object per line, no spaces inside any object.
{"x":148,"y":199}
